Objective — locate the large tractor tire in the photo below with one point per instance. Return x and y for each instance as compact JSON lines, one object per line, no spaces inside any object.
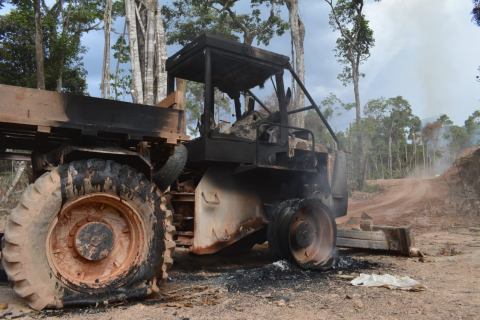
{"x":304,"y":232}
{"x":164,"y":176}
{"x":88,"y":232}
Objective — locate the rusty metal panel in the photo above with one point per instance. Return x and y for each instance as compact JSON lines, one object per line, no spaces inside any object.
{"x":226,"y":210}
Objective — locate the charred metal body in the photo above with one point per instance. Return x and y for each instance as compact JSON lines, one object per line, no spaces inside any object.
{"x":235,"y":180}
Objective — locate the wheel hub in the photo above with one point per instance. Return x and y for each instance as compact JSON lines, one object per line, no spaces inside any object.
{"x":305,"y":234}
{"x":94,"y":241}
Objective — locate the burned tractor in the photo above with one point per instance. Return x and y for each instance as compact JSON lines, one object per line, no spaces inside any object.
{"x":117,"y":187}
{"x":261,"y":179}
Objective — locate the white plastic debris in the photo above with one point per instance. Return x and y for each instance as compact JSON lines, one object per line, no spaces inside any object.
{"x":388,"y":281}
{"x":282,"y":265}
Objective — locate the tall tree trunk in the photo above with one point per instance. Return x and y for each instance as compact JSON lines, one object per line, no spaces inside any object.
{"x":149,"y":94}
{"x":117,"y":68}
{"x":161,"y":73}
{"x":66,"y":23}
{"x":18,"y":174}
{"x":424,"y":158}
{"x":39,"y":46}
{"x":148,"y":51}
{"x":381,"y":165}
{"x":107,"y":20}
{"x":358,"y":120}
{"x":298,"y":36}
{"x":414,"y":149}
{"x":137,"y":86}
{"x":390,"y":156}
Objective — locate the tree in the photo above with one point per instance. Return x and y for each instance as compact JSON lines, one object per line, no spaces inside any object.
{"x":39,"y":45}
{"x":18,"y":63}
{"x":67,"y":21}
{"x":473,"y":122}
{"x":195,"y":103}
{"x":432,"y":133}
{"x":353,"y":46}
{"x":458,"y":140}
{"x":476,"y":12}
{"x":297,"y":31}
{"x":186,"y":20}
{"x":315,"y":124}
{"x":107,"y":18}
{"x":395,"y":115}
{"x":445,"y":120}
{"x":121,"y":82}
{"x":333,"y":106}
{"x":415,"y":127}
{"x":148,"y":51}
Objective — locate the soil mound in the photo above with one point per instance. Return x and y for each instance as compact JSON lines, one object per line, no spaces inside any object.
{"x":468,"y":162}
{"x":464,"y":181}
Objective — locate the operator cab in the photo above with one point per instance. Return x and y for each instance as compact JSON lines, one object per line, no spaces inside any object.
{"x":260,"y":138}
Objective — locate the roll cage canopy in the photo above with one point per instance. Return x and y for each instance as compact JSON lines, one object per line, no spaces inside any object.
{"x":234,"y":68}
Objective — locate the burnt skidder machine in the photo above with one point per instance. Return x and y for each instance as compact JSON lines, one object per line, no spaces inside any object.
{"x":99,"y":221}
{"x":261,"y":179}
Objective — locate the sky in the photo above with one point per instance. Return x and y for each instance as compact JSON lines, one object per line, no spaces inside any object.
{"x":427,"y":51}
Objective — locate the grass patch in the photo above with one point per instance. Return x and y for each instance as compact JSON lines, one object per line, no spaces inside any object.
{"x":372,"y":188}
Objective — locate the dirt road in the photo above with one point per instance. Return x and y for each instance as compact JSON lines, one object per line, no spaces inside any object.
{"x":252,"y":286}
{"x":399,"y":199}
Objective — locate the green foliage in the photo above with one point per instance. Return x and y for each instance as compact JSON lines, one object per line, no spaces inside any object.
{"x":332,"y":108}
{"x":473,"y":122}
{"x":62,"y":27}
{"x":476,"y":12}
{"x":372,"y":188}
{"x":444,"y":120}
{"x":195,"y":103}
{"x":356,"y":40}
{"x":458,"y":140}
{"x":120,"y":86}
{"x":186,"y":20}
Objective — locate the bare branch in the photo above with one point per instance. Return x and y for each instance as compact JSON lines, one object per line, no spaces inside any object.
{"x":237,"y":22}
{"x":359,"y":21}
{"x":338,"y":23}
{"x":270,"y":18}
{"x":139,"y":19}
{"x":225,"y":6}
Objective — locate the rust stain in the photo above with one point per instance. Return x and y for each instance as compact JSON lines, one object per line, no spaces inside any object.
{"x":243,"y":230}
{"x":20,"y":94}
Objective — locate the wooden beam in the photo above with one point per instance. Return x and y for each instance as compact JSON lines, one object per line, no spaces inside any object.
{"x":169,"y":101}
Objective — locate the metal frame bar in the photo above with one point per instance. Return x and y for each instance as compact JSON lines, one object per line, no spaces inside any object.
{"x":314,"y":105}
{"x":15,"y":156}
{"x":286,"y":127}
{"x":208,"y":93}
{"x":259,"y":102}
{"x":300,"y":110}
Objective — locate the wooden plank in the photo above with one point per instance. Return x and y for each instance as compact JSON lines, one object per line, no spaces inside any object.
{"x":169,"y":101}
{"x":362,"y":244}
{"x":361,"y":235}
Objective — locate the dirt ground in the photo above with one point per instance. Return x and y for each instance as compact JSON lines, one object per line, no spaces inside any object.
{"x":252,"y":286}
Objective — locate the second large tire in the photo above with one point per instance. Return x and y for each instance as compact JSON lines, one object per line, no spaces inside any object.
{"x":304,"y":232}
